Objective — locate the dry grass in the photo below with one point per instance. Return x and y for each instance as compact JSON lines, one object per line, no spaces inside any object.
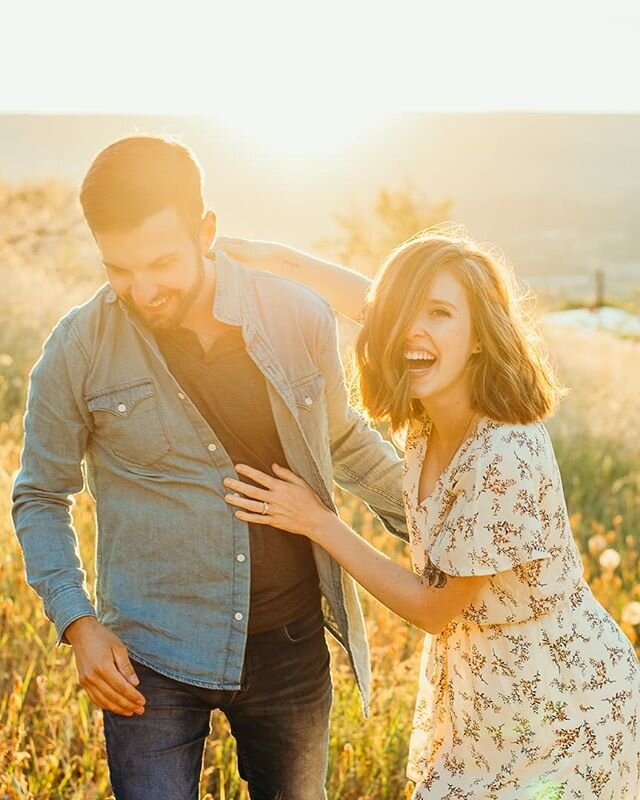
{"x":51,"y":743}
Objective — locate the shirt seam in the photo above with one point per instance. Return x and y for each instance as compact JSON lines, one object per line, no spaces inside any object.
{"x":71,"y":328}
{"x":370,"y":487}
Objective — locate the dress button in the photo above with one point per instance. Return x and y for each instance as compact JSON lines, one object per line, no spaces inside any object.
{"x":181,"y":395}
{"x":308,"y":401}
{"x":238,"y":616}
{"x":241,"y":557}
{"x":122,"y":408}
{"x":211,"y":447}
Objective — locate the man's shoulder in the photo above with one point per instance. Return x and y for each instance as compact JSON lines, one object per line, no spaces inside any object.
{"x":85,"y":322}
{"x":292,"y":297}
{"x":273,"y":294}
{"x":87,"y":314}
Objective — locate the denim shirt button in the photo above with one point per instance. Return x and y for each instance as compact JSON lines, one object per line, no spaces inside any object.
{"x":181,"y":395}
{"x":211,"y":447}
{"x":122,"y":408}
{"x":238,"y":616}
{"x":308,"y":401}
{"x":241,"y":557}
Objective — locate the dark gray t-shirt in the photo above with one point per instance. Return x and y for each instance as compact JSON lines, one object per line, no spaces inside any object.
{"x":230,"y":392}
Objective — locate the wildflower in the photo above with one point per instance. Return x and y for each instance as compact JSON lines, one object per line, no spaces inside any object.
{"x":610,"y":559}
{"x":631,"y":613}
{"x":597,"y":543}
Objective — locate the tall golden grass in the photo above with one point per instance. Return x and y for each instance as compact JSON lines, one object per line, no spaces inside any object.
{"x":51,"y":742}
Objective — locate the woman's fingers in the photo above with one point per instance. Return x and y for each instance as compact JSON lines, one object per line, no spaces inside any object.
{"x":259,"y":477}
{"x":254,"y":506}
{"x":286,"y":475}
{"x":257,"y":519}
{"x":232,"y":245}
{"x":248,"y":489}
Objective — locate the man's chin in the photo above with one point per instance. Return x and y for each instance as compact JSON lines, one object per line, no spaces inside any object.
{"x":160,"y":323}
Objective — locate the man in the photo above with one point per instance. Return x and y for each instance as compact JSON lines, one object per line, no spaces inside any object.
{"x":182,"y":366}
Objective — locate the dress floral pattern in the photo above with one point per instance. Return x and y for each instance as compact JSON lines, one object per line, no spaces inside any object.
{"x":533,"y":692}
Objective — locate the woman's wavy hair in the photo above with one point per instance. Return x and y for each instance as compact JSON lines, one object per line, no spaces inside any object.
{"x":511,"y":378}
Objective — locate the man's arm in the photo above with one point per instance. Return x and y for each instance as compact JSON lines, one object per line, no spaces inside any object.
{"x":56,"y":433}
{"x":364,"y":463}
{"x":55,"y":438}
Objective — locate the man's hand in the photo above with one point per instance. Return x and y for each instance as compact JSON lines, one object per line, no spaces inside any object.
{"x":104,"y":669}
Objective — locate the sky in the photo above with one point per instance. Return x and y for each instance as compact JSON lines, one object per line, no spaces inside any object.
{"x":286,"y":70}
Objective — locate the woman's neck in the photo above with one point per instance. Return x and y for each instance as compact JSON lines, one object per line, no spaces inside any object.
{"x":450,"y":419}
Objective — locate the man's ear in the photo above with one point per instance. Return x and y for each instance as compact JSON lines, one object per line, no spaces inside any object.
{"x":208,"y":229}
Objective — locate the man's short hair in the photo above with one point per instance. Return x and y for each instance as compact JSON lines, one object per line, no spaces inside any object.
{"x":138,"y":176}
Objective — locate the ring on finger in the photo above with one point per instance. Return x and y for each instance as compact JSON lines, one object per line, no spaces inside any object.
{"x":265,"y":507}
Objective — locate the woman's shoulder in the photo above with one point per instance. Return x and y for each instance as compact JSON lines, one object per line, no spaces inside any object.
{"x":510,"y":444}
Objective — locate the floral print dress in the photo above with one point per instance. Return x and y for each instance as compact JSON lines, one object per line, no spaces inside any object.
{"x":533,"y":691}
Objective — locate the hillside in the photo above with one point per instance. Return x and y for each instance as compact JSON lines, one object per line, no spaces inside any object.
{"x":559,"y":193}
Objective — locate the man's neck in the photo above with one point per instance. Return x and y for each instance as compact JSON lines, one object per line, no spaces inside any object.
{"x":200,"y":318}
{"x":201,"y":308}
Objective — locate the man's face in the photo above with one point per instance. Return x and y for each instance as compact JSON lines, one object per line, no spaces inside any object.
{"x":154,"y":267}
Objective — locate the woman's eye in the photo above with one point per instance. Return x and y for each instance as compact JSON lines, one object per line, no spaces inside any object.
{"x":440,"y":312}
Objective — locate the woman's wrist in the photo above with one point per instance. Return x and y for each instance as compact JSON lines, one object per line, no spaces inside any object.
{"x":321,"y":524}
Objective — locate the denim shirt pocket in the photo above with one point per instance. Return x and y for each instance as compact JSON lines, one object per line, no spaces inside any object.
{"x":127,"y":421}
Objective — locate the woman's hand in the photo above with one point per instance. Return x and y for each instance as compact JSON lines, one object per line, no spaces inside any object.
{"x":256,"y":254}
{"x":285,"y":502}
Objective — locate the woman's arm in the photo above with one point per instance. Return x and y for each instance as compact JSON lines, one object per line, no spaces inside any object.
{"x":429,"y":607}
{"x":344,"y":289}
{"x":291,"y":505}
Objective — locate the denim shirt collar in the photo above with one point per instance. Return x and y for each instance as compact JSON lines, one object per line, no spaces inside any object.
{"x":232,"y":303}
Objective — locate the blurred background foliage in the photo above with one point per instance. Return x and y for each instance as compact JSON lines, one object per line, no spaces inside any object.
{"x":51,"y":742}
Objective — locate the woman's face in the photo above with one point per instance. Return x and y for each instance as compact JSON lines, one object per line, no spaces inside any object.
{"x":440,"y":341}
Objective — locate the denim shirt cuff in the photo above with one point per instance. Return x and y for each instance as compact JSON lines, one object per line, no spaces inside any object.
{"x":66,"y":606}
{"x":401,"y":531}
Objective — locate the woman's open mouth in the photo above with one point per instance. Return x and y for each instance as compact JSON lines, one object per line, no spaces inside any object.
{"x":419,"y":361}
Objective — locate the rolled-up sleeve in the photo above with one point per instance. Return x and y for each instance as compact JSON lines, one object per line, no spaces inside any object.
{"x":55,"y":436}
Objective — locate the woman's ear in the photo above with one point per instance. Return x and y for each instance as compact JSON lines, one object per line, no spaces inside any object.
{"x":476,"y":348}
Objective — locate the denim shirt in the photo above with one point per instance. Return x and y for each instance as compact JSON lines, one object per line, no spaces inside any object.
{"x":172,"y":561}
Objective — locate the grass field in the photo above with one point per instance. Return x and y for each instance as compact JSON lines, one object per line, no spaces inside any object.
{"x":51,"y":742}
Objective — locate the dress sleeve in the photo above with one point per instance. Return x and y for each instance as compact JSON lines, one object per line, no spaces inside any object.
{"x":491,"y":519}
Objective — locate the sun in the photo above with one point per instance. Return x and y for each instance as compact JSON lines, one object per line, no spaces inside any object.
{"x":298,"y":134}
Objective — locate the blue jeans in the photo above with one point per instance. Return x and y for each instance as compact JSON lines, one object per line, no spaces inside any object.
{"x":280,"y":720}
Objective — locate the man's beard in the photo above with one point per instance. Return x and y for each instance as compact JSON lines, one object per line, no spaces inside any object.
{"x":173,"y":321}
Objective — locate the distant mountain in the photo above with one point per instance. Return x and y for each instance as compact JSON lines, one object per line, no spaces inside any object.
{"x":559,"y":193}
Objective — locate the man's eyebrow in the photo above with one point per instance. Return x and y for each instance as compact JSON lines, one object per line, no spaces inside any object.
{"x":154,"y":263}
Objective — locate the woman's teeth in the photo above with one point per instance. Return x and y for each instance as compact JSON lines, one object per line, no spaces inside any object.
{"x":419,"y":361}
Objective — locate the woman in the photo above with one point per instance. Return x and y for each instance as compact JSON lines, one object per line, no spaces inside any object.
{"x":528,"y":688}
